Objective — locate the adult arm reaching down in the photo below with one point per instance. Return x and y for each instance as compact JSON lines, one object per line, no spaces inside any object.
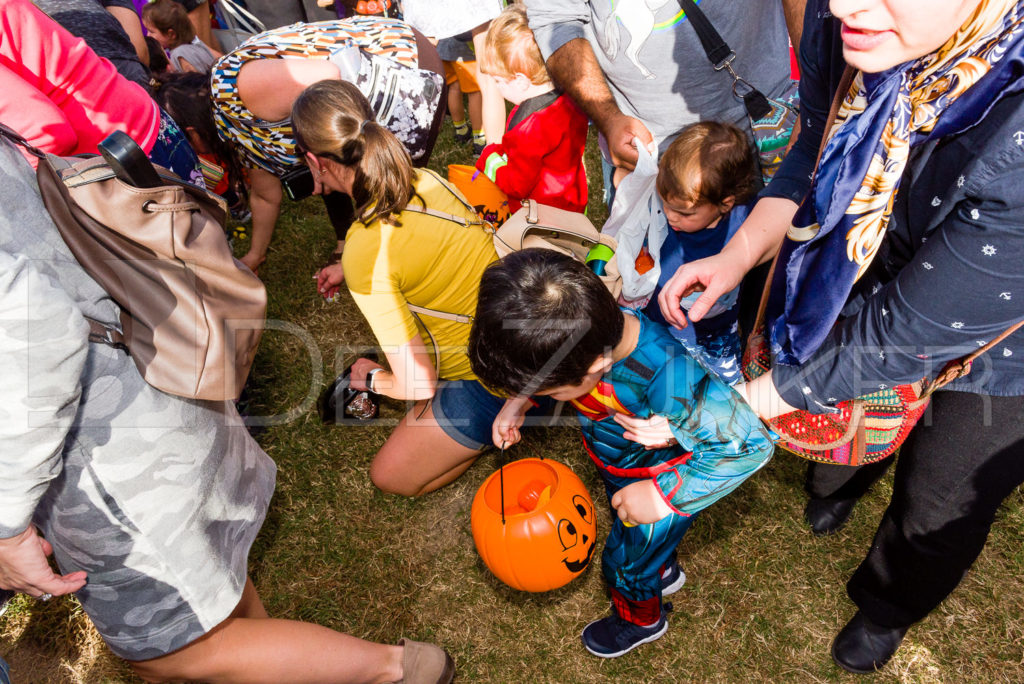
{"x":43,"y":347}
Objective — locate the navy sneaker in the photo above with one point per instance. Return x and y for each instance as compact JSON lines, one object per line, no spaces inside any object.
{"x":612,"y":636}
{"x":672,"y":578}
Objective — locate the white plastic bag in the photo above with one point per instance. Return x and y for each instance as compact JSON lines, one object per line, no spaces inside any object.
{"x":636,"y":215}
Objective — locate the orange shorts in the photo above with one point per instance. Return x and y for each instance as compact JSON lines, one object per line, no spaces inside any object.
{"x":464,"y":73}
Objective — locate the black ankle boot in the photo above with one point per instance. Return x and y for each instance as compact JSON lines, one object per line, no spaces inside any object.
{"x":863,"y":647}
{"x":827,"y":516}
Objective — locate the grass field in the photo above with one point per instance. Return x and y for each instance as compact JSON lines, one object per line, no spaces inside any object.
{"x":762,"y":603}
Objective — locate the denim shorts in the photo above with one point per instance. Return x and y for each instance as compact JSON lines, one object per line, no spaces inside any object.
{"x":465,"y":410}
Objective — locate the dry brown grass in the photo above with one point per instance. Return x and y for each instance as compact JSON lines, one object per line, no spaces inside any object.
{"x":763,"y":600}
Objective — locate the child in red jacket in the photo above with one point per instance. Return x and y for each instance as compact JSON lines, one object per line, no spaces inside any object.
{"x":540,"y":157}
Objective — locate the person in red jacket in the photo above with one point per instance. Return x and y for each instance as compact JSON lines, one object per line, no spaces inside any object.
{"x":540,"y":157}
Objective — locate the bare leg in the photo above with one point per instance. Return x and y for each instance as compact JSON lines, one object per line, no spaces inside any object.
{"x":251,"y":648}
{"x":476,"y":115}
{"x":419,"y":456}
{"x":265,"y":203}
{"x":455,"y":106}
{"x":493,"y":102}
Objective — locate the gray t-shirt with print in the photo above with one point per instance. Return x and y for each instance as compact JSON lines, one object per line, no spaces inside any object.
{"x":654,"y":62}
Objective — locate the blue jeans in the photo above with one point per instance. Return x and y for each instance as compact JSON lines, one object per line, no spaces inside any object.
{"x":465,"y":410}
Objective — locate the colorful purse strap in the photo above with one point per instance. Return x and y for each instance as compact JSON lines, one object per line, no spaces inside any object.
{"x":958,"y":368}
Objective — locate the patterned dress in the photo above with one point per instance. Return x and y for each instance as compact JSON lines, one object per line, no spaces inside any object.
{"x":405,"y":98}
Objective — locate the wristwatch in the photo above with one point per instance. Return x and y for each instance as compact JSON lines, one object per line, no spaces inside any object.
{"x":369,"y":379}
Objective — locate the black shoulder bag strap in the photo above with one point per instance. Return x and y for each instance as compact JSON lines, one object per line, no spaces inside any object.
{"x":18,"y":139}
{"x":721,"y":57}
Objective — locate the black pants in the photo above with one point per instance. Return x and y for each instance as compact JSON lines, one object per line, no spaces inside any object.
{"x":340,"y":212}
{"x":951,"y":476}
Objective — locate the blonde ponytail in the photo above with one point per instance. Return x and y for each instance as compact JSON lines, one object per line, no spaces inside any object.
{"x":332,"y":119}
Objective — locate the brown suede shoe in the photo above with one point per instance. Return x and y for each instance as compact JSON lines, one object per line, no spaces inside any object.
{"x":425,"y":663}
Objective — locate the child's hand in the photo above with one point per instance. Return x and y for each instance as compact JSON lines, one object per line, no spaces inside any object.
{"x":654,"y":432}
{"x":505,"y":431}
{"x":640,"y":503}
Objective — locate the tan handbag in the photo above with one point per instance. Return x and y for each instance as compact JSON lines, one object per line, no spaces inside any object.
{"x":568,"y":232}
{"x":191,"y":315}
{"x":542,"y":226}
{"x":534,"y":225}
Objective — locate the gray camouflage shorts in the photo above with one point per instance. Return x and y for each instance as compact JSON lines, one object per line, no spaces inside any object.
{"x":159,"y":501}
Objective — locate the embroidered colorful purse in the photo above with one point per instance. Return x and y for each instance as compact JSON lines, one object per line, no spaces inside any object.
{"x":863,"y":430}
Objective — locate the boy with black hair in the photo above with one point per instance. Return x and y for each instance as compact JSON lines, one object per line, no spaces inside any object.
{"x":668,"y":437}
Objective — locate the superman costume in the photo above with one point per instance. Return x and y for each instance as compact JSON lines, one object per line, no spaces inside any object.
{"x":721,"y":442}
{"x":540,"y":157}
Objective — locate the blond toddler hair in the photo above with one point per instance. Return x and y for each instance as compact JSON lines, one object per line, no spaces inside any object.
{"x":510,"y":49}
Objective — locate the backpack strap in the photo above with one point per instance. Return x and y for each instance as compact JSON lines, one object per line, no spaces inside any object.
{"x":462,"y":221}
{"x":417,"y":311}
{"x":436,"y":313}
{"x":104,"y":334}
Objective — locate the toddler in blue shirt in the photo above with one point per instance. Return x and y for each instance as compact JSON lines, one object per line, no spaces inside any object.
{"x":706,"y":184}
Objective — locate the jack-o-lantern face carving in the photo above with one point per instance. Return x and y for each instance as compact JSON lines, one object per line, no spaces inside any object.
{"x":490,"y":201}
{"x":573,"y":539}
{"x":549,"y":529}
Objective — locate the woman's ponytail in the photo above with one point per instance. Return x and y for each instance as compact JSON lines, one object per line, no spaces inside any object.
{"x":383,"y":182}
{"x":333,"y":119}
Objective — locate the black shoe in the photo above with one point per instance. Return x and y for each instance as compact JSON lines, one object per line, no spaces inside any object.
{"x":863,"y":647}
{"x":672,"y":578}
{"x":340,"y":401}
{"x":827,"y":516}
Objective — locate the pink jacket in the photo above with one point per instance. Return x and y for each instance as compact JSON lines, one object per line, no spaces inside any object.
{"x":59,"y":94}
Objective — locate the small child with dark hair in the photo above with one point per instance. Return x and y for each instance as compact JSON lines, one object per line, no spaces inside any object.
{"x":668,"y":437}
{"x":186,"y":99}
{"x":706,"y":184}
{"x":540,"y":157}
{"x":169,"y":24}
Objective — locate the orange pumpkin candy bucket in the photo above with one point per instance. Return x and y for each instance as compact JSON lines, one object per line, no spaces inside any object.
{"x":490,"y":202}
{"x":534,"y":525}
